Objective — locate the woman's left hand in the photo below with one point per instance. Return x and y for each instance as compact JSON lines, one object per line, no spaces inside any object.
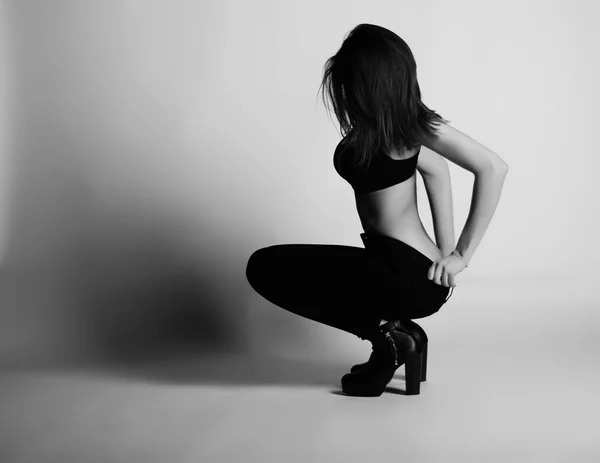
{"x":444,"y":271}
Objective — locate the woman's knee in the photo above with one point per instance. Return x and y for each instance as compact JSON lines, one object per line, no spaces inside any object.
{"x":258,"y":263}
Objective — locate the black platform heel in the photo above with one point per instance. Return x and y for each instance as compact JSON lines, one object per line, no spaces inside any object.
{"x":419,"y":334}
{"x":393,"y":345}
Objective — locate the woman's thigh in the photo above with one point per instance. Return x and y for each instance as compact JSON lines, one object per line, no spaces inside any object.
{"x":333,"y":284}
{"x":326,"y":281}
{"x":339,"y":275}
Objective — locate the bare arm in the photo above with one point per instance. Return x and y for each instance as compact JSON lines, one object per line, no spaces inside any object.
{"x":489,"y":171}
{"x":436,"y":178}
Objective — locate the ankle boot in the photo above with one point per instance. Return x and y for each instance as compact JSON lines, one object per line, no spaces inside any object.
{"x":393,"y":345}
{"x":419,"y":334}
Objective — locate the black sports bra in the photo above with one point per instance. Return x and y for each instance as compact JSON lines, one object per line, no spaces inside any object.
{"x":382,"y":173}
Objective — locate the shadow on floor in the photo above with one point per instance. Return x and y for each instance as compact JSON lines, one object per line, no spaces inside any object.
{"x":216,"y":369}
{"x":241,"y":370}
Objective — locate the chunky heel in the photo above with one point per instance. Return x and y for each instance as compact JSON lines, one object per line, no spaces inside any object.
{"x":420,"y":336}
{"x":413,"y":373}
{"x":424,"y":362}
{"x":393,"y":345}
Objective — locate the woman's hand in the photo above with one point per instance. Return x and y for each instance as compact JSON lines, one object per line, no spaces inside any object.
{"x":443,"y":271}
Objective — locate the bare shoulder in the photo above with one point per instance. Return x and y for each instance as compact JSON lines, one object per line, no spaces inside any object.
{"x":463,"y":151}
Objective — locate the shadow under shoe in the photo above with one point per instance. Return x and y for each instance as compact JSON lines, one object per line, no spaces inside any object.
{"x":393,"y":346}
{"x":420,"y":336}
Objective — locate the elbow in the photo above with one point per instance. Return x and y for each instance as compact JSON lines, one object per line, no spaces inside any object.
{"x":499,"y":168}
{"x":499,"y":165}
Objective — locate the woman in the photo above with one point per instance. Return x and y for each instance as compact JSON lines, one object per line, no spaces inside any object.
{"x":401,"y":274}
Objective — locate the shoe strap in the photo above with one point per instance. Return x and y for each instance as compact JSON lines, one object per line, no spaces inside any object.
{"x":397,"y":325}
{"x":393,"y":325}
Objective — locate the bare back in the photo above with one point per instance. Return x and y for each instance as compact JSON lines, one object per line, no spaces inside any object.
{"x":393,"y":212}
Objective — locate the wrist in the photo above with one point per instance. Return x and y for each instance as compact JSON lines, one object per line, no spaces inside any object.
{"x":459,"y":255}
{"x":446,"y":251}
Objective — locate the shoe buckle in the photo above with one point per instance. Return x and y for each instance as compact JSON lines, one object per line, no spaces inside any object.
{"x":391,"y":339}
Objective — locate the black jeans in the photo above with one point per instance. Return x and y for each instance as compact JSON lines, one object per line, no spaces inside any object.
{"x":347,"y":287}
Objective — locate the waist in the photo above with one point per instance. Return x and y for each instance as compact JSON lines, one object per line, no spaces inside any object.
{"x":412,"y":234}
{"x":393,"y":248}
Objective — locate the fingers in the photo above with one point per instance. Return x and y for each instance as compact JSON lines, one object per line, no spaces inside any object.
{"x":435,"y":273}
{"x":439,"y":272}
{"x":451,"y":283}
{"x":431,"y":272}
{"x":440,"y":275}
{"x":448,"y":279}
{"x":444,"y":278}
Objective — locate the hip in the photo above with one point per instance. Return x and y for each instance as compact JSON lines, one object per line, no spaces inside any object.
{"x":400,"y":265}
{"x":409,"y":231}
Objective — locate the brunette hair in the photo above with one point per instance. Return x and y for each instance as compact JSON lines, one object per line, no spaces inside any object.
{"x":372,"y":85}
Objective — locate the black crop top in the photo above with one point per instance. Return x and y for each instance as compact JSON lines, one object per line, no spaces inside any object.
{"x":382,"y":173}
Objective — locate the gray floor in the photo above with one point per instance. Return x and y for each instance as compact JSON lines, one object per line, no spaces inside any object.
{"x":507,"y":383}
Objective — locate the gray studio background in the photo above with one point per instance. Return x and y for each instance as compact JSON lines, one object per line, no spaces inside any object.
{"x":148,"y":148}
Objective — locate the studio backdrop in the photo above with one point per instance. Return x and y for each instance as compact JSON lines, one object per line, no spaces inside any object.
{"x":148,"y":148}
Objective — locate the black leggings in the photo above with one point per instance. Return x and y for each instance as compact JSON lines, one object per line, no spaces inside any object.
{"x":347,"y":287}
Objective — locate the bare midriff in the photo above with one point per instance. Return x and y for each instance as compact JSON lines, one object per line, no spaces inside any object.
{"x":393,"y":212}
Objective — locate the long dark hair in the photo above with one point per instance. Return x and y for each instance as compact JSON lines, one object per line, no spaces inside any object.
{"x":372,"y":85}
